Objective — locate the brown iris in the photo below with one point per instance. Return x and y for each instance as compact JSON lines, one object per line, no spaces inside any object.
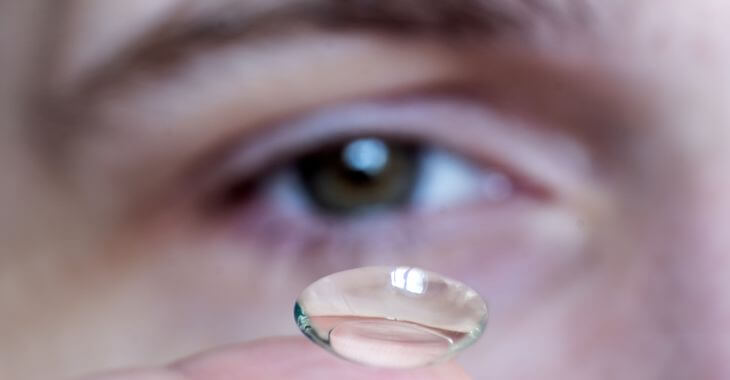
{"x":360,"y":175}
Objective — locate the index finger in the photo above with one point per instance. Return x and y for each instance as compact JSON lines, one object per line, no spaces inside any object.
{"x":280,"y":358}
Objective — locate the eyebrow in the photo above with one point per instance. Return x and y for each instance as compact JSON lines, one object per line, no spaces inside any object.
{"x":234,"y":21}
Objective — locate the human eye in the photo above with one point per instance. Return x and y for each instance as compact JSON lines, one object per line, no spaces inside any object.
{"x":368,"y":182}
{"x":369,"y":175}
{"x":371,"y":161}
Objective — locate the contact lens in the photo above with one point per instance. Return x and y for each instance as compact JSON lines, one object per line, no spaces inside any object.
{"x":397,"y":317}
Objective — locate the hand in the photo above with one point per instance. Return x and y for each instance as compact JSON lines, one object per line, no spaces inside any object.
{"x":277,"y":358}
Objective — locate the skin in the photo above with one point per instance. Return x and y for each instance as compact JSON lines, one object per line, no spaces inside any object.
{"x":264,"y":359}
{"x":609,"y":261}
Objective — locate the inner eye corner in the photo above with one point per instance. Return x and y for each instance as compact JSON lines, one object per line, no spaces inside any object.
{"x":230,"y":195}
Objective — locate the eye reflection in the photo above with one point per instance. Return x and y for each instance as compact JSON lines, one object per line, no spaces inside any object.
{"x":367,"y":155}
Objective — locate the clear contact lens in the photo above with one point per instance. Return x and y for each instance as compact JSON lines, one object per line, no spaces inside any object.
{"x":397,"y":317}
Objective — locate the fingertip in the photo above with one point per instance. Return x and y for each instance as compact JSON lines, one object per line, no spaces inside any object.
{"x":286,"y":358}
{"x":138,"y":374}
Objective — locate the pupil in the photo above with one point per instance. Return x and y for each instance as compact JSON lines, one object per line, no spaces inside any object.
{"x":360,"y":175}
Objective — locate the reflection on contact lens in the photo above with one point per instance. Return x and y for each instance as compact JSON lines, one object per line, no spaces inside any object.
{"x":396,"y":317}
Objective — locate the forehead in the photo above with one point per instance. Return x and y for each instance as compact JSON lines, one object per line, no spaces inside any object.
{"x":677,"y":45}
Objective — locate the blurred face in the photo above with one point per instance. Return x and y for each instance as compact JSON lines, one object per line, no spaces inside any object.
{"x":184,"y":169}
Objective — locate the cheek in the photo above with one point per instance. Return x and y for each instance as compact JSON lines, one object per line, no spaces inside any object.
{"x":579,"y":317}
{"x":195,"y":284}
{"x":187,"y":292}
{"x":511,"y":254}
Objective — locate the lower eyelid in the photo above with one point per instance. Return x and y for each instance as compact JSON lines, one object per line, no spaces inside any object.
{"x":274,"y":231}
{"x":513,"y":249}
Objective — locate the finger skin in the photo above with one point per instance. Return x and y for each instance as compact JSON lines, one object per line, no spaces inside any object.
{"x":139,"y":374}
{"x":279,"y":358}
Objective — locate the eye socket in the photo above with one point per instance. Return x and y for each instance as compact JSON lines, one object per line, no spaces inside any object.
{"x":367,"y":183}
{"x":411,"y":156}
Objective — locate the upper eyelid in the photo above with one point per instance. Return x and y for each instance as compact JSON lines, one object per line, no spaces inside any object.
{"x":575,"y":95}
{"x":483,"y":136}
{"x":584,"y":101}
